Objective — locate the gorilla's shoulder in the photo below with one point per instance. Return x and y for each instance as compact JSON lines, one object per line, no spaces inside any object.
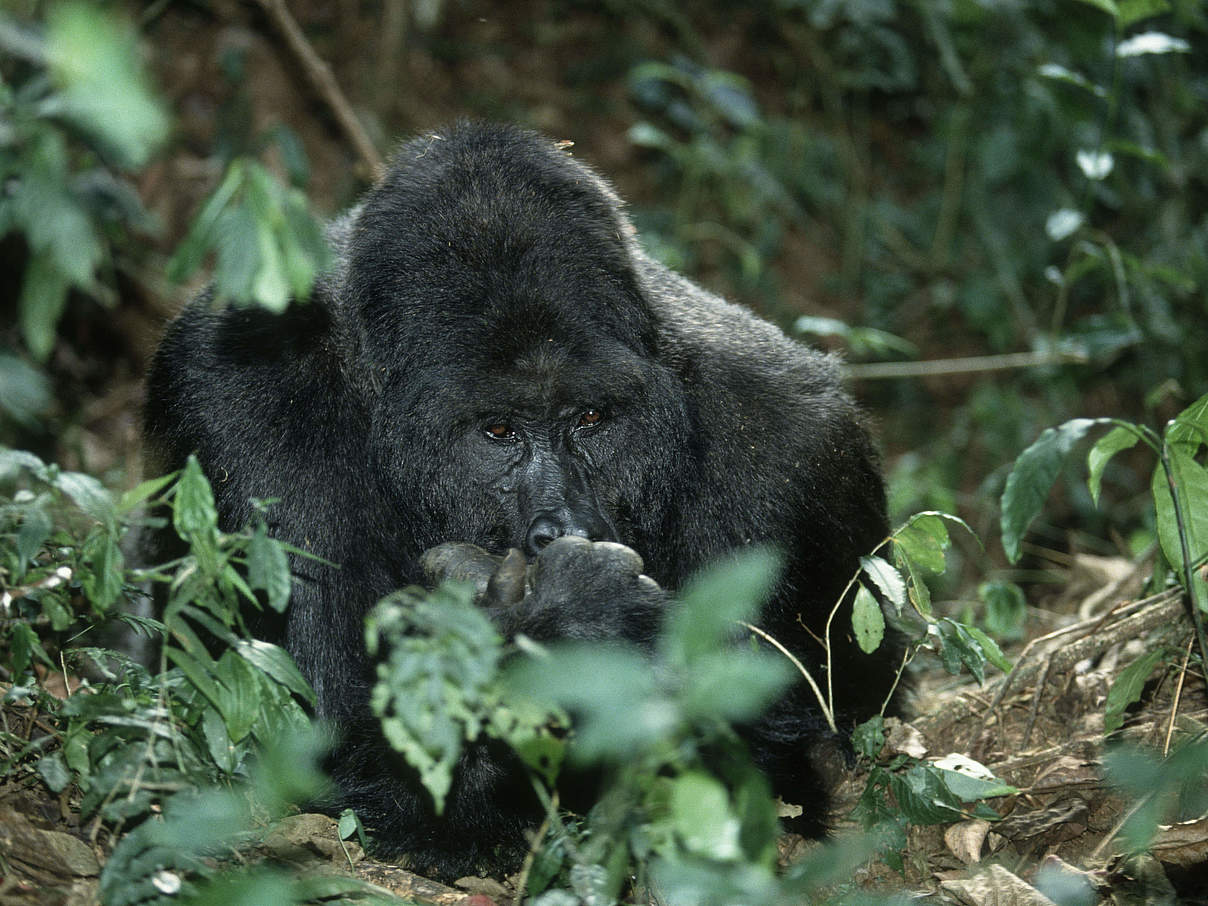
{"x":728,"y":343}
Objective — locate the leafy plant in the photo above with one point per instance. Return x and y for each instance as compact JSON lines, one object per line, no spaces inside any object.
{"x":1179,"y":488}
{"x":77,"y":114}
{"x":181,"y":766}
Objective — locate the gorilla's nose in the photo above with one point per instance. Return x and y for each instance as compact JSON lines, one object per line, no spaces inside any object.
{"x":549,"y":526}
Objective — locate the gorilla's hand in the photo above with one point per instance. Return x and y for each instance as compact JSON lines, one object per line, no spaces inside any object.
{"x":575,"y":589}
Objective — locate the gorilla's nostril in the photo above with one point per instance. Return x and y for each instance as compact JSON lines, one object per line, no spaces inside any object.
{"x":542,"y":531}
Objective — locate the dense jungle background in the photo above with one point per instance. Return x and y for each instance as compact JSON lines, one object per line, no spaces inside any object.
{"x":997,"y":213}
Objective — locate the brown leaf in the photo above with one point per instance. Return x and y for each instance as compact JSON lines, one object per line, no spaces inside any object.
{"x":996,"y":887}
{"x":965,"y":840}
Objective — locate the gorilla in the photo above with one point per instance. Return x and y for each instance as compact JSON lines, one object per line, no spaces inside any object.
{"x":494,"y":361}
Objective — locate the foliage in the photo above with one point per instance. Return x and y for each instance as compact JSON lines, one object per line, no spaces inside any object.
{"x":76,"y":115}
{"x":269,"y":248}
{"x":1180,"y":498}
{"x":974,"y":178}
{"x":164,"y":761}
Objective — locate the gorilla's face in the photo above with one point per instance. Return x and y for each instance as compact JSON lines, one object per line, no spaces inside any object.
{"x":532,"y":431}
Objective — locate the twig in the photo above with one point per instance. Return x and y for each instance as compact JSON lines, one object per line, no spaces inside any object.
{"x":1037,"y":695}
{"x":1178,"y":694}
{"x":975,"y":364}
{"x":531,"y":855}
{"x":324,"y":83}
{"x":826,"y":711}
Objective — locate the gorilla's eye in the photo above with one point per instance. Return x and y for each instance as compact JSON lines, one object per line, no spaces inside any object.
{"x":500,"y":431}
{"x":590,"y":418}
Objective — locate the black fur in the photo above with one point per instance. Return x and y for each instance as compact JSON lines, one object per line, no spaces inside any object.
{"x":492,"y":281}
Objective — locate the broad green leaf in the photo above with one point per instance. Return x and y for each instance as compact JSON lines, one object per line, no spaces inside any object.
{"x":924,"y":798}
{"x":923,"y":540}
{"x":888,"y":579}
{"x":702,"y":817}
{"x":867,"y":621}
{"x":243,"y":694}
{"x":271,"y":286}
{"x":277,"y":663}
{"x":1190,"y":482}
{"x":735,"y":684}
{"x":1032,"y":477}
{"x":434,"y":686}
{"x":713,"y":603}
{"x":1127,"y":688}
{"x":1114,"y":441}
{"x":268,"y":568}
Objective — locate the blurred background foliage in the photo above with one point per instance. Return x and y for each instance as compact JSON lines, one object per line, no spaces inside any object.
{"x":1021,"y":185}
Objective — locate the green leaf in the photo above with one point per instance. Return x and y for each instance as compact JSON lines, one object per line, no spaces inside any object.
{"x":924,"y":798}
{"x":53,"y":771}
{"x":88,"y":494}
{"x":35,"y":529}
{"x":869,"y":737}
{"x":434,"y":687}
{"x":194,"y":514}
{"x":1114,"y":441}
{"x":139,"y":495}
{"x":888,"y":579}
{"x":1006,"y":608}
{"x":27,"y":392}
{"x":277,"y":663}
{"x":1032,"y":477}
{"x":1190,"y":427}
{"x":990,"y":649}
{"x":95,"y":62}
{"x":867,"y":621}
{"x":105,"y":578}
{"x":735,"y":685}
{"x":43,"y":298}
{"x":268,"y":568}
{"x":1127,"y":688}
{"x":1060,"y":74}
{"x":1189,"y":480}
{"x":1133,"y":11}
{"x":611,"y":690}
{"x":716,"y":600}
{"x":703,"y":819}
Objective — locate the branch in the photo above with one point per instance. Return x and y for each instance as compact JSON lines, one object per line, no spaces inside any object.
{"x":968,"y":365}
{"x":324,"y":83}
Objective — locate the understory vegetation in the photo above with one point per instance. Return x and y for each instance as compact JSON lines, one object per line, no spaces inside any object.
{"x":998,"y":212}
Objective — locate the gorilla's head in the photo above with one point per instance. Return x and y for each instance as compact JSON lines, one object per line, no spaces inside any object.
{"x":522,"y":393}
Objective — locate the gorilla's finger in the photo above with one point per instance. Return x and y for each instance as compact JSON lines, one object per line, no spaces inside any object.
{"x":459,"y":562}
{"x":505,"y":588}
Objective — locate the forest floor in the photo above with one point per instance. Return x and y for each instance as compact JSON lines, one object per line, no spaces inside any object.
{"x":1039,"y":729}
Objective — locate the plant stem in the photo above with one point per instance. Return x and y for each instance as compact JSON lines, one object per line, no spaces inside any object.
{"x":1197,"y":619}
